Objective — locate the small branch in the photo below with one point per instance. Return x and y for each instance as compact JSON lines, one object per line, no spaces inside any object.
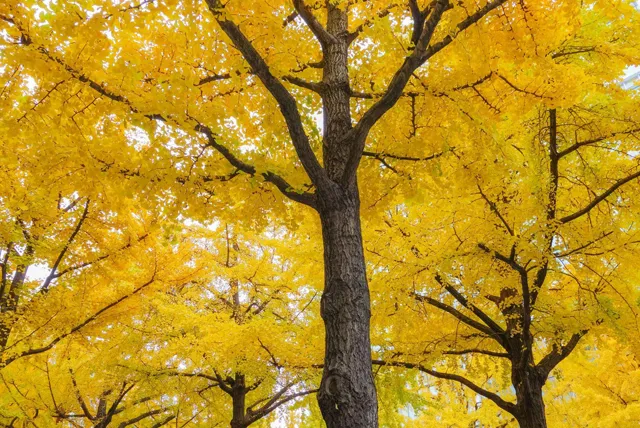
{"x":141,"y":417}
{"x":52,"y":273}
{"x":97,"y":260}
{"x":164,"y":421}
{"x":76,"y":328}
{"x":473,"y":308}
{"x":495,"y":210}
{"x":383,"y":155}
{"x":478,"y":351}
{"x":323,"y":36}
{"x":368,"y":22}
{"x":213,"y":78}
{"x":599,"y":198}
{"x":503,"y":404}
{"x":579,"y":144}
{"x":462,"y":317}
{"x":317,"y":87}
{"x":551,"y":360}
{"x":285,"y":399}
{"x":583,"y":246}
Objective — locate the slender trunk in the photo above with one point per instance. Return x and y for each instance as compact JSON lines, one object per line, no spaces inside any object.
{"x":347,"y":395}
{"x":9,"y":303}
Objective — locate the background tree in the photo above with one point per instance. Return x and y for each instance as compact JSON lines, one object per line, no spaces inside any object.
{"x":540,"y":253}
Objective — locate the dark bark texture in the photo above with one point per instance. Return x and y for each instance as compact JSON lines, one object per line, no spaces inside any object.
{"x":347,"y":394}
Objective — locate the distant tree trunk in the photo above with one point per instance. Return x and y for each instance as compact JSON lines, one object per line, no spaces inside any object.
{"x":347,"y":395}
{"x":9,"y":299}
{"x":238,"y":395}
{"x":525,"y":377}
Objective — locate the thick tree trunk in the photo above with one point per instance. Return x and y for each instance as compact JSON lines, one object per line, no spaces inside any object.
{"x":529,"y":396}
{"x":347,"y":395}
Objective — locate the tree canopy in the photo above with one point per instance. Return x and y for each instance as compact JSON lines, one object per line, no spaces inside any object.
{"x":287,"y":213}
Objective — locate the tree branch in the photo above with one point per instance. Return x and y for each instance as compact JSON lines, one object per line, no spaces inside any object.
{"x":284,"y":99}
{"x":5,"y":362}
{"x":599,"y":198}
{"x":503,"y":404}
{"x":495,"y":210}
{"x":278,"y":181}
{"x":323,"y":36}
{"x":473,"y":308}
{"x":579,"y":144}
{"x":368,"y":22}
{"x":99,"y":259}
{"x":421,"y":53}
{"x":52,"y":273}
{"x":462,"y":317}
{"x":164,"y":421}
{"x":266,"y":410}
{"x":83,"y":405}
{"x":317,"y":87}
{"x":141,"y":417}
{"x":551,"y":360}
{"x":478,"y":351}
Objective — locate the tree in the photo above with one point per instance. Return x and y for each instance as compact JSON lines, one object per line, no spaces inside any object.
{"x":64,"y":229}
{"x":166,"y":75}
{"x":347,"y":394}
{"x":531,"y":268}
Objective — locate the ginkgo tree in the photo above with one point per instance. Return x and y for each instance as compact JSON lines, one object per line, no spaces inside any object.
{"x":63,"y":228}
{"x":179,"y":97}
{"x":530,"y":258}
{"x":219,"y":348}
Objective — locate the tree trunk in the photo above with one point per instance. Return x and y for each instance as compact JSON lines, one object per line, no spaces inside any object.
{"x":238,"y":395}
{"x":9,"y":303}
{"x":347,"y":395}
{"x":529,"y":395}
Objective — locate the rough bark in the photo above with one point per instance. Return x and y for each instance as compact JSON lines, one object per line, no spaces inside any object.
{"x":530,"y":402}
{"x":347,"y":395}
{"x":238,"y":395}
